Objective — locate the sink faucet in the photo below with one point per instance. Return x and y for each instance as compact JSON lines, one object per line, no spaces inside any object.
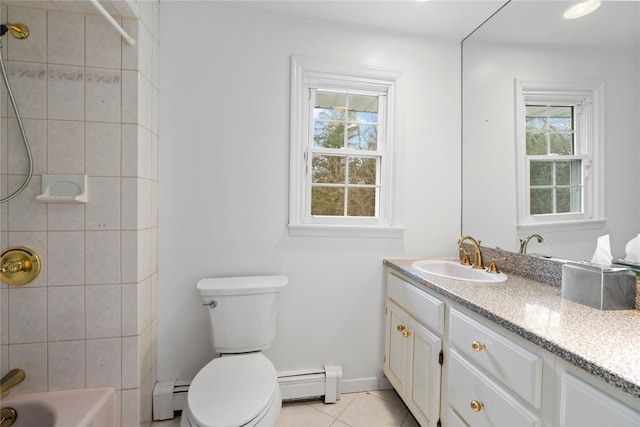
{"x":477,"y":257}
{"x":11,"y":379}
{"x":524,"y":242}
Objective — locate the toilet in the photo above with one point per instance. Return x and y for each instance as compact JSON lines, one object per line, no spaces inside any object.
{"x":239,"y":388}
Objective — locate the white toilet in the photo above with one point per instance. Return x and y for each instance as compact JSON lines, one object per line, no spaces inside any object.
{"x":240,"y":388}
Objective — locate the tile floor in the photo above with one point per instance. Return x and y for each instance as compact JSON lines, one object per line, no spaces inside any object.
{"x":381,"y":408}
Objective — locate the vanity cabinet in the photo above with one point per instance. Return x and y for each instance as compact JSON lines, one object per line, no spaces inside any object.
{"x":582,"y":403}
{"x":454,"y":367}
{"x":414,"y":323}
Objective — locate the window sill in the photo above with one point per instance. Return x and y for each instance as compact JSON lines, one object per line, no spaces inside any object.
{"x":577,"y":225}
{"x":323,"y":230}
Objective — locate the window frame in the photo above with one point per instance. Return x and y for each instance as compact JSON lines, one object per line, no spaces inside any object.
{"x":318,"y":74}
{"x":588,"y":99}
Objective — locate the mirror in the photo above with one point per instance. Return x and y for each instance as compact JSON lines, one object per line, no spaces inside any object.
{"x":530,"y":40}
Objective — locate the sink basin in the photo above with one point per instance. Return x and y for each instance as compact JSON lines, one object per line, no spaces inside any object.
{"x":454,"y":270}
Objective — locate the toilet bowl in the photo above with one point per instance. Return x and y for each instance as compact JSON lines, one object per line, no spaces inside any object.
{"x":240,"y":388}
{"x":234,"y":391}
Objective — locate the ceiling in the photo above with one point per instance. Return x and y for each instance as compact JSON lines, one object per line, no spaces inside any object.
{"x":447,"y":19}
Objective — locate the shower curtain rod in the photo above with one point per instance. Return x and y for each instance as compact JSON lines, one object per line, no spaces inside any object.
{"x":113,"y":22}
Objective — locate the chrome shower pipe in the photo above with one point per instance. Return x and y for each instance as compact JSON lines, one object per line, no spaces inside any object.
{"x":25,"y":141}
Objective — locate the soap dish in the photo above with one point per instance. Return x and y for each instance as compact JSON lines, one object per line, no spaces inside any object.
{"x":63,"y":189}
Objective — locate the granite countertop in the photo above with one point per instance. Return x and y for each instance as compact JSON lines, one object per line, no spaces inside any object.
{"x":604,"y":343}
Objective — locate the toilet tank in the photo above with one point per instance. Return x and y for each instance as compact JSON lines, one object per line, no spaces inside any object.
{"x":242,"y":311}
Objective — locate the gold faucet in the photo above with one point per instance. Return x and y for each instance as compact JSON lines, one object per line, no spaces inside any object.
{"x":524,"y":242}
{"x":477,"y":257}
{"x":11,"y":379}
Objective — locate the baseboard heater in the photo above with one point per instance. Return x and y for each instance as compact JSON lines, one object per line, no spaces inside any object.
{"x":169,"y":397}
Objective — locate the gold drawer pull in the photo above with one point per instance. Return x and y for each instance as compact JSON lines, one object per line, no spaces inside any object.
{"x":400,"y":327}
{"x":478,"y":346}
{"x":476,"y":406}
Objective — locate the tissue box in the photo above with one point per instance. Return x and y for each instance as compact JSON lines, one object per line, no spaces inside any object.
{"x":599,"y":286}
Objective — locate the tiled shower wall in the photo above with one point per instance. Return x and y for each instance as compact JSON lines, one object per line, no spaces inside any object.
{"x":89,"y":104}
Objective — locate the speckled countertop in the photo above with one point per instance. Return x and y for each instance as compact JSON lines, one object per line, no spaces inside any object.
{"x":604,"y":343}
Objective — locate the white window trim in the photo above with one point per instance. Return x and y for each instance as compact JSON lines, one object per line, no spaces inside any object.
{"x":304,"y":72}
{"x":564,"y":92}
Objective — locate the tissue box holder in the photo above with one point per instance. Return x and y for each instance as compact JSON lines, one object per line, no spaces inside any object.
{"x":599,"y":286}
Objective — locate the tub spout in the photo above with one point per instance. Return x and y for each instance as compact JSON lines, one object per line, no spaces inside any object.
{"x":11,"y":379}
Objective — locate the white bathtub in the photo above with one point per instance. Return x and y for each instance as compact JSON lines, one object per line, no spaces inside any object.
{"x":93,"y":407}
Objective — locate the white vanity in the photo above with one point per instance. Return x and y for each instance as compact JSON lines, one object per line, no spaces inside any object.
{"x":507,"y":354}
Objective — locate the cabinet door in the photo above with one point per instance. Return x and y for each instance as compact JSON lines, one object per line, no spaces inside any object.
{"x":397,"y":347}
{"x":424,"y":396}
{"x":582,"y":404}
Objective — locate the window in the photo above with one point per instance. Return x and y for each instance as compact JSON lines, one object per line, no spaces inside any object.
{"x":341,"y":150}
{"x":559,"y":149}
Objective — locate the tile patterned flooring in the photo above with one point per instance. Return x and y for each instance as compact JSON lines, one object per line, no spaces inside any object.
{"x":381,"y":408}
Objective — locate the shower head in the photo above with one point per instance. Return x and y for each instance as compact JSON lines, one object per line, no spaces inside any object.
{"x":19,"y":31}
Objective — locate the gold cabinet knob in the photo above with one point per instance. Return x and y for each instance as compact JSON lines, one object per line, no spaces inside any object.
{"x":406,"y":333}
{"x":478,"y":346}
{"x":400,"y":327}
{"x":476,"y":406}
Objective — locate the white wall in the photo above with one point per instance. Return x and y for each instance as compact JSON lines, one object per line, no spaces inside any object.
{"x":223,"y":197}
{"x":489,"y":210}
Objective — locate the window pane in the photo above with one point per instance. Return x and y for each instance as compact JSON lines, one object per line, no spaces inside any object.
{"x":362,"y":202}
{"x":328,"y":135}
{"x":536,"y":118}
{"x":327,"y":201}
{"x":363,"y":108}
{"x":363,"y":170}
{"x":541,"y":173}
{"x":569,"y":172}
{"x":563,"y":200}
{"x":561,"y":118}
{"x":536,"y":144}
{"x":561,"y":143}
{"x":328,"y":169}
{"x":363,"y":137}
{"x":329,"y":106}
{"x":541,"y":201}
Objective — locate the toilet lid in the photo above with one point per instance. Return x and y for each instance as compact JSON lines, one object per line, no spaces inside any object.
{"x":231,"y":391}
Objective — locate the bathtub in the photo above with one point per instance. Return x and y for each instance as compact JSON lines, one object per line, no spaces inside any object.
{"x":93,"y":407}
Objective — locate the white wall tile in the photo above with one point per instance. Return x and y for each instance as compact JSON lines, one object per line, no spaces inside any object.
{"x":130,"y":204}
{"x":65,"y":312}
{"x":130,"y":96}
{"x":34,"y":47}
{"x":130,"y":309}
{"x":103,"y":43}
{"x":4,"y":316}
{"x":130,"y":407}
{"x":130,"y":257}
{"x":66,"y":258}
{"x":65,"y":154}
{"x":130,"y":150}
{"x":32,"y":358}
{"x":103,"y":311}
{"x":24,"y":212}
{"x":103,"y":149}
{"x":27,"y":315}
{"x":65,"y":216}
{"x":29,"y":85}
{"x":102,"y":257}
{"x":104,"y":363}
{"x":65,"y":38}
{"x":103,"y":208}
{"x":17,"y":158}
{"x":130,"y":363}
{"x":130,"y":53}
{"x":103,"y":95}
{"x":66,"y":365}
{"x":65,"y":92}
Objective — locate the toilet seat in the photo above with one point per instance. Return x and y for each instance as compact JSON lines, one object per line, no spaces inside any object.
{"x":233,"y":391}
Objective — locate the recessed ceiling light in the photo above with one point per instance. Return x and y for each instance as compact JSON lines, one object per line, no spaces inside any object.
{"x":581,"y":9}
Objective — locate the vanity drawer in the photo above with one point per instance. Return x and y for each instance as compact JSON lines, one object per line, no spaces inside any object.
{"x":424,"y":307}
{"x":518,"y":368}
{"x":480,"y":401}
